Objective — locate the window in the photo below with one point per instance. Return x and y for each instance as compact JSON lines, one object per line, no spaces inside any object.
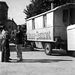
{"x":33,"y":23}
{"x":44,"y":20}
{"x":72,"y":16}
{"x":65,"y":16}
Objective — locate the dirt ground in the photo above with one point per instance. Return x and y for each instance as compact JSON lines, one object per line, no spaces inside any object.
{"x":38,"y":63}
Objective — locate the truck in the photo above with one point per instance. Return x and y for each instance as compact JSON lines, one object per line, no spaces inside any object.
{"x":71,"y":39}
{"x":48,"y":30}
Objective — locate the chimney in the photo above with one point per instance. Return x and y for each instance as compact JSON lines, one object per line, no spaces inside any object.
{"x":52,"y":5}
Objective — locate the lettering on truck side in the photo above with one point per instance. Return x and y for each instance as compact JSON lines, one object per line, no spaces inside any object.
{"x":44,"y":36}
{"x":39,"y":36}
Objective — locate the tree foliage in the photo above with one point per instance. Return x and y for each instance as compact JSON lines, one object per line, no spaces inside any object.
{"x":39,"y":6}
{"x":61,"y":2}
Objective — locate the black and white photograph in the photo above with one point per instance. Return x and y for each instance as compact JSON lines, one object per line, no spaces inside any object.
{"x":37,"y":37}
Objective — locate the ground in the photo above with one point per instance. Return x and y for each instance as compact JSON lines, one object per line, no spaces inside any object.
{"x":38,"y":63}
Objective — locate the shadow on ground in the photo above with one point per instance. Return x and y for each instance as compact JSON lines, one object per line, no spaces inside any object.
{"x":38,"y":60}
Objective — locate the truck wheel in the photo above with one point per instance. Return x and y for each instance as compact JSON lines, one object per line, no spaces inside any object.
{"x":48,"y":48}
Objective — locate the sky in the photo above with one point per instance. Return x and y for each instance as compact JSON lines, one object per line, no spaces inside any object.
{"x":16,"y":8}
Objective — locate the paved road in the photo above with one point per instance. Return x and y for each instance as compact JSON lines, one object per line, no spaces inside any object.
{"x":37,"y":63}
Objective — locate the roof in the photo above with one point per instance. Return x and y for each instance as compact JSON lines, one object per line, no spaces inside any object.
{"x":56,"y":8}
{"x":3,"y":2}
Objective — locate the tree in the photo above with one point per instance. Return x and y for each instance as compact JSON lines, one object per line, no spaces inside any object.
{"x":61,"y":2}
{"x":39,"y":6}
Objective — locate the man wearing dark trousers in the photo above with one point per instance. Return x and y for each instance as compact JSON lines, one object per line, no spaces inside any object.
{"x":3,"y":49}
{"x":19,"y":43}
{"x":5,"y":46}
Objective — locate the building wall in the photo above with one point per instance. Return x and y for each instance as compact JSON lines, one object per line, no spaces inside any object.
{"x":3,"y":12}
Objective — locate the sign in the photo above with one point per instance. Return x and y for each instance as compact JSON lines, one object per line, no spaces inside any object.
{"x":39,"y":36}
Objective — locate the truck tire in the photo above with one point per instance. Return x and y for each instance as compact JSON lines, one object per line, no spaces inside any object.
{"x":48,"y":48}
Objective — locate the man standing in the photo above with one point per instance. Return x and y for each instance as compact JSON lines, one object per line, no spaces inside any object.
{"x":5,"y":45}
{"x":19,"y":42}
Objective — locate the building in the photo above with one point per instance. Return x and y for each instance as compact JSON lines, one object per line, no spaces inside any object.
{"x":10,"y":25}
{"x":3,"y":13}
